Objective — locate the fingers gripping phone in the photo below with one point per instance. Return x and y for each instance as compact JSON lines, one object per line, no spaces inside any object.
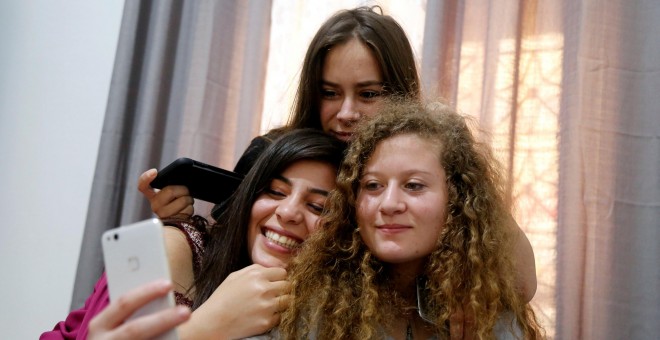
{"x":134,"y":255}
{"x":204,"y":181}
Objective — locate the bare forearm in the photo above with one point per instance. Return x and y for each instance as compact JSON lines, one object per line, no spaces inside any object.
{"x":523,"y":258}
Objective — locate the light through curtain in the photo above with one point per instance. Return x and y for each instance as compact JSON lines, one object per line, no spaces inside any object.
{"x":502,"y":64}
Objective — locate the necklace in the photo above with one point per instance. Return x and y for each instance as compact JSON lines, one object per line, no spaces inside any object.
{"x":409,"y":331}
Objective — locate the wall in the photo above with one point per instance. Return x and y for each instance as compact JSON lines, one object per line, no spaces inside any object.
{"x":56,"y":60}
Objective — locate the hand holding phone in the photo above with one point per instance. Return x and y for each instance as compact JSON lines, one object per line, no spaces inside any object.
{"x":135,"y":255}
{"x":113,"y":323}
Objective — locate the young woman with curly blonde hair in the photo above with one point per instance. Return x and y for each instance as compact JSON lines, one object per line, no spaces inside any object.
{"x":417,"y":230}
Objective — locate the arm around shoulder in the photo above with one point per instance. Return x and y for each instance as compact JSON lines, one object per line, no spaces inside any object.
{"x":524,"y":262}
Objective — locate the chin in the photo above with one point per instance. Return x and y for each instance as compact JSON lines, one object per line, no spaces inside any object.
{"x":270,"y":262}
{"x":393,"y":258}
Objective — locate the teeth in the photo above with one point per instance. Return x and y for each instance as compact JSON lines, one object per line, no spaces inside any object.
{"x":281,"y":240}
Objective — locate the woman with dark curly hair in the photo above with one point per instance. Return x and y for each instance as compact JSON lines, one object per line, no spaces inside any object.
{"x":416,"y":231}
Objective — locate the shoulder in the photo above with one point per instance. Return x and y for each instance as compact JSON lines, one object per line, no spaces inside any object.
{"x":191,"y":232}
{"x":180,"y":258}
{"x":176,"y":242}
{"x":254,"y":150}
{"x":258,"y":145}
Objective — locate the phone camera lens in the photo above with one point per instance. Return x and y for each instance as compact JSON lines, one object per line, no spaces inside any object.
{"x":116,"y":237}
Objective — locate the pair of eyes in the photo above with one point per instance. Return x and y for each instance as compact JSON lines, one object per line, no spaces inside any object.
{"x":367,"y":94}
{"x":315,"y":206}
{"x":374,"y":185}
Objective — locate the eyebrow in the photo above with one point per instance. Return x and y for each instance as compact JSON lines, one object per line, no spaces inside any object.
{"x":312,"y":190}
{"x":360,"y":84}
{"x":404,"y":173}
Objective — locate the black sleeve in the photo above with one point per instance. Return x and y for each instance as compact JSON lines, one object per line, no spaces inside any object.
{"x":256,"y":147}
{"x":245,"y":163}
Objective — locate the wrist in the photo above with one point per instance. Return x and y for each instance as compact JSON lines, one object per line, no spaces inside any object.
{"x":197,"y":328}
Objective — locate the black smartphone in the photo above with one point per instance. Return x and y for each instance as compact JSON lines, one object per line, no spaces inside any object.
{"x":205,"y":182}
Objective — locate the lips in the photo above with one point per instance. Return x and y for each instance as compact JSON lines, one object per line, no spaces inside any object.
{"x":393,"y":228}
{"x":281,"y":240}
{"x":345,"y":136}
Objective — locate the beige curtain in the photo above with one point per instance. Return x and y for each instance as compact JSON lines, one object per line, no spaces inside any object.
{"x":608,"y":250}
{"x":188,"y":81}
{"x":569,"y":94}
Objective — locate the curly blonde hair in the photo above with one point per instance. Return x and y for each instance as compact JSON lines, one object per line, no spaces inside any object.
{"x":341,"y":291}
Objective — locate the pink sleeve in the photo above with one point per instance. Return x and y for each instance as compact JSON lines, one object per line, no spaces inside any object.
{"x":76,"y":324}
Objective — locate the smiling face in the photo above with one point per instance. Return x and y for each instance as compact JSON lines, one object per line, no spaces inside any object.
{"x":288,"y":210}
{"x":352,"y":87}
{"x":402,"y":201}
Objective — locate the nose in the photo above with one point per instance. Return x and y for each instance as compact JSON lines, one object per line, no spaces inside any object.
{"x":348,"y":113}
{"x":392,"y":201}
{"x":289,"y":211}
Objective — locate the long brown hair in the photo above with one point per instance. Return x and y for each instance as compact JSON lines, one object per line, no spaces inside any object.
{"x":226,"y":249}
{"x":380,"y":33}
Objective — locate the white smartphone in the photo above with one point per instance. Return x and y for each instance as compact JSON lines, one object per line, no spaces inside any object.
{"x":135,"y":254}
